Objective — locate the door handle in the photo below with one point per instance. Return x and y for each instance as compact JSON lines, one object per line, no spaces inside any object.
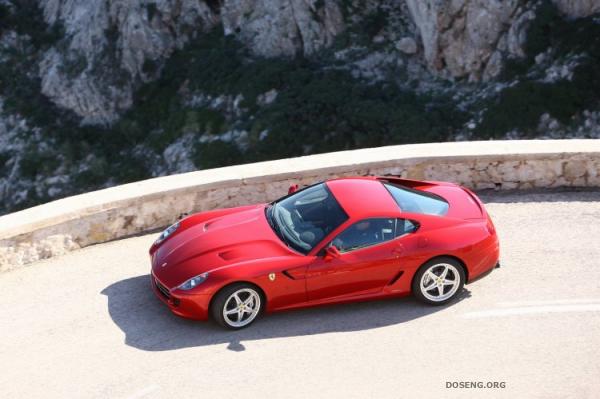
{"x":397,"y":251}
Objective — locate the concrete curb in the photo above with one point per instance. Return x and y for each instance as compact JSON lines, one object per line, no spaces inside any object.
{"x":70,"y":223}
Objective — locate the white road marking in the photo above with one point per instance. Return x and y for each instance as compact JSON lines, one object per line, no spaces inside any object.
{"x":590,"y":307}
{"x":144,"y":392}
{"x":551,"y":302}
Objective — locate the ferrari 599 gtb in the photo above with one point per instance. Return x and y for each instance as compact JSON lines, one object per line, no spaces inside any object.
{"x":343,"y":240}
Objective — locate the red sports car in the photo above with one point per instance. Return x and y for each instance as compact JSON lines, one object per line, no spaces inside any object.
{"x":344,"y":240}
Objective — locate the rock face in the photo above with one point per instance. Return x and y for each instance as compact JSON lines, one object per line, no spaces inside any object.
{"x":460,"y":36}
{"x":110,"y":45}
{"x":578,"y":8}
{"x":283,"y":27}
{"x":407,"y":45}
{"x":469,"y":38}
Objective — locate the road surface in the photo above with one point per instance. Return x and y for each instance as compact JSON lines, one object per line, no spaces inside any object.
{"x":86,"y":325}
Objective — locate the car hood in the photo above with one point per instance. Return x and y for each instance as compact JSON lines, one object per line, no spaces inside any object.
{"x":225,"y":240}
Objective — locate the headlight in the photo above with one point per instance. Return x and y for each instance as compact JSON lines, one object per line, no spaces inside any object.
{"x":193,"y":282}
{"x":166,"y":233}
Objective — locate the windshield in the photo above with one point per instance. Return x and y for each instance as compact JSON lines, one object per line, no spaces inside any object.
{"x":303,"y":219}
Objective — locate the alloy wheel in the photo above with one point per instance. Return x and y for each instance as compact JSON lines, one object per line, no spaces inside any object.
{"x":440,"y":282}
{"x":241,"y":307}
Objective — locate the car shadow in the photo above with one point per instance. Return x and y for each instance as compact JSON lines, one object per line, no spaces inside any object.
{"x":149,"y":325}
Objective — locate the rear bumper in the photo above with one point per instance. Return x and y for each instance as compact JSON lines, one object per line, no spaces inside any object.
{"x":484,"y":273}
{"x":189,"y":306}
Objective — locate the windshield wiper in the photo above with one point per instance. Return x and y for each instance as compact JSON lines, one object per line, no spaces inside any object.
{"x":269,"y":215}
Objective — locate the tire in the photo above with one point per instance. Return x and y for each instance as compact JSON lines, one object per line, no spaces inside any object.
{"x":237,"y":306}
{"x":442,"y":288}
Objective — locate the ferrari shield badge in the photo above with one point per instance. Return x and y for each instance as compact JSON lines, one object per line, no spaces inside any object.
{"x":272,"y":276}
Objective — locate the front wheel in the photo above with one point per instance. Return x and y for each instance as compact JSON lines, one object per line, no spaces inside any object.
{"x":438,"y":281}
{"x":237,"y":306}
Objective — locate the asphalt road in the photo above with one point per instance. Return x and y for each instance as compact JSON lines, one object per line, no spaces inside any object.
{"x":86,"y":325}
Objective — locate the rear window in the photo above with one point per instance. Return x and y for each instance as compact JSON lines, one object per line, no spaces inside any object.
{"x":417,"y":201}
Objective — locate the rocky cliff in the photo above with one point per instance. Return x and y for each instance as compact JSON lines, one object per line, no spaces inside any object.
{"x":107,"y":46}
{"x":174,"y":85}
{"x":110,"y":46}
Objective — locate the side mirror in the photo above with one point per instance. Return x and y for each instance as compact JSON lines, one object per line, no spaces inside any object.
{"x":183,"y":215}
{"x":293,"y":188}
{"x":331,"y":252}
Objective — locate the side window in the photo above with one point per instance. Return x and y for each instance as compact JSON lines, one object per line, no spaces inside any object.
{"x":371,"y":232}
{"x":365,"y":233}
{"x":405,"y":226}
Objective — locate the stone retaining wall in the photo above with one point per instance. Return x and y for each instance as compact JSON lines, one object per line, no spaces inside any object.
{"x":64,"y":225}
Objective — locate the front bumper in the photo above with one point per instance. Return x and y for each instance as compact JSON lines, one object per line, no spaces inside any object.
{"x":190,"y":306}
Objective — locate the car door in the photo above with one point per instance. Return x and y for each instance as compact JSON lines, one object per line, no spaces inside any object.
{"x":369,"y":252}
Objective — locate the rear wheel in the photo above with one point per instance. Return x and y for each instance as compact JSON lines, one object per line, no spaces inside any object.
{"x":237,"y":306}
{"x":438,"y":281}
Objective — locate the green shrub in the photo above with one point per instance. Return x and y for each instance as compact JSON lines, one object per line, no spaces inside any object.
{"x":216,"y":154}
{"x":151,"y":10}
{"x":4,"y":157}
{"x":25,"y":17}
{"x":36,"y":162}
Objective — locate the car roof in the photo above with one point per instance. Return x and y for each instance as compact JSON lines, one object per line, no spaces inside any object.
{"x":363,"y":197}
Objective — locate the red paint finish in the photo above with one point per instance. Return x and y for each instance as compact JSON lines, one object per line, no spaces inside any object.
{"x":360,"y":272}
{"x":238,"y":245}
{"x":363,"y":197}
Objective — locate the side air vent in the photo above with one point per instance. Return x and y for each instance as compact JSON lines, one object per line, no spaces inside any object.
{"x":288,"y":275}
{"x":396,"y":278}
{"x":232,"y":254}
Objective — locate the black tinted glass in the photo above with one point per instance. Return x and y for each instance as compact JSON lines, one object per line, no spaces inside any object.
{"x":417,"y":202}
{"x":306,"y":217}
